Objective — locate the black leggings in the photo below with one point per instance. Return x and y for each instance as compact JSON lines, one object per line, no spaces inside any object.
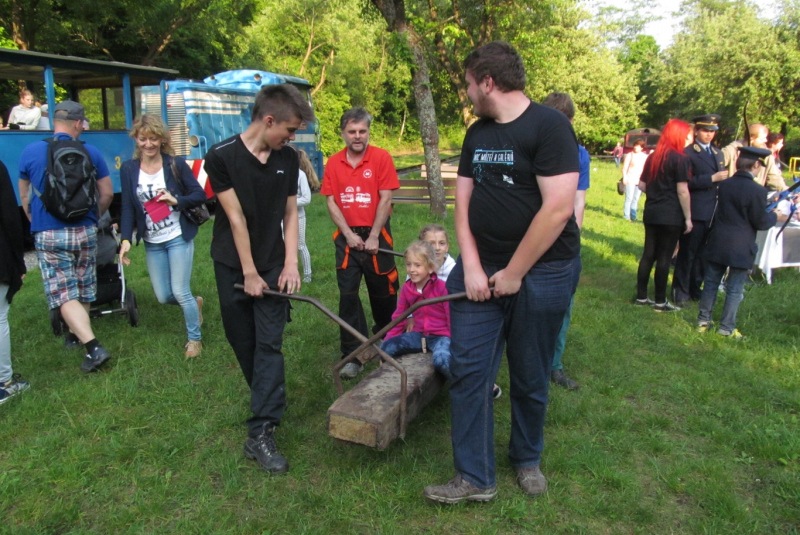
{"x":659,"y":244}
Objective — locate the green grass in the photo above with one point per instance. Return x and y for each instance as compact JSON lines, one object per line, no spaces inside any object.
{"x":671,"y":431}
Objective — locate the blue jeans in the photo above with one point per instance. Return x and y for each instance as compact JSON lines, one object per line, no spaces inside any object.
{"x":170,"y":267}
{"x":561,"y":342}
{"x":734,"y":293}
{"x":631,"y":206}
{"x":412,"y":343}
{"x":528,"y":323}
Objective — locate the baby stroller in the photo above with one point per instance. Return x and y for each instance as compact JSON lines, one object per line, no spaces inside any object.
{"x":111,"y":288}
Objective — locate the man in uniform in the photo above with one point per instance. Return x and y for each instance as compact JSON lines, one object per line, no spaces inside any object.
{"x":519,"y":265}
{"x":358,"y":182}
{"x":769,"y":174}
{"x":708,"y":169}
{"x":741,"y":212}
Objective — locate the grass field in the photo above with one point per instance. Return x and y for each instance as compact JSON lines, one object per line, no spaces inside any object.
{"x":671,"y":431}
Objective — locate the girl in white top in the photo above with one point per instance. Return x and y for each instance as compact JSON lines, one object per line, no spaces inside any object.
{"x":632,"y":168}
{"x":25,"y":115}
{"x":307,"y":182}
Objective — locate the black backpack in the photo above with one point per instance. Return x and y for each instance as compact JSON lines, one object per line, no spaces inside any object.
{"x":70,"y":189}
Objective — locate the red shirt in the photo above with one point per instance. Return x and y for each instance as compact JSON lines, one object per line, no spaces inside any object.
{"x":356,"y":189}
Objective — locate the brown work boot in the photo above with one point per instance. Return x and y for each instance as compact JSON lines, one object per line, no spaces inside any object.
{"x":532,"y":480}
{"x":200,"y":307}
{"x":459,"y":489}
{"x":193,"y":348}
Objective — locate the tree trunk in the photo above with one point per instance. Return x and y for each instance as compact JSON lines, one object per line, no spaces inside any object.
{"x":394,"y":12}
{"x":428,"y":125}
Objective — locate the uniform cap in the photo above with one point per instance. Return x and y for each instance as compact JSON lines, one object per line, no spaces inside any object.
{"x":707,"y":122}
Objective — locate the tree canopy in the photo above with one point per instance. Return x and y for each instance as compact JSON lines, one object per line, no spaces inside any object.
{"x":724,"y":55}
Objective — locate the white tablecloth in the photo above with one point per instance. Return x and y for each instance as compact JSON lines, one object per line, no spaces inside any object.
{"x":783,"y":252}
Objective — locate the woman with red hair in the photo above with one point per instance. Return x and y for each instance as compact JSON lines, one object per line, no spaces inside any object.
{"x":667,"y":211}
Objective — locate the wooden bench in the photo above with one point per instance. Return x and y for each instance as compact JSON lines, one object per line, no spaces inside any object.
{"x":369,"y":413}
{"x":415,"y":190}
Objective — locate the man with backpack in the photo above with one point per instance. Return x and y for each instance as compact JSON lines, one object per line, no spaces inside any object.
{"x":64,"y":187}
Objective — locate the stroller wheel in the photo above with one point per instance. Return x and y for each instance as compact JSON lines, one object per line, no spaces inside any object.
{"x":131,"y":308}
{"x":56,"y":322}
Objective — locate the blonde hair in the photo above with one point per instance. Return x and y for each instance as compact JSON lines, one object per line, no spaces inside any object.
{"x":433,"y":227}
{"x":423,"y":250}
{"x":151,"y":125}
{"x":308,"y":169}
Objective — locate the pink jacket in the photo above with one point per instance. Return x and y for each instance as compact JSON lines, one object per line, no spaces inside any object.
{"x":431,"y":319}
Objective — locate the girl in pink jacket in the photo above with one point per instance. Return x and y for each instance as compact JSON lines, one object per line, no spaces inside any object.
{"x":431,"y":329}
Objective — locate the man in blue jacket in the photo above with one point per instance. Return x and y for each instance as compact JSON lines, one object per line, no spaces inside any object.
{"x":708,"y":170}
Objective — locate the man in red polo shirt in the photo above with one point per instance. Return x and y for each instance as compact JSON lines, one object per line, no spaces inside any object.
{"x":358,"y":182}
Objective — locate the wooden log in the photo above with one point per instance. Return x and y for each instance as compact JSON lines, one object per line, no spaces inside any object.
{"x":369,"y":413}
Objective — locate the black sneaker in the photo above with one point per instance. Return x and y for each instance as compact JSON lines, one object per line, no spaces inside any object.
{"x":666,"y":306}
{"x":95,"y":359}
{"x":647,"y":302}
{"x":562,"y":379}
{"x":264,"y":450}
{"x":71,"y":341}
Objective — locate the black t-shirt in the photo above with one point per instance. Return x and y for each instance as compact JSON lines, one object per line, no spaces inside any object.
{"x":662,"y":206}
{"x":504,"y":160}
{"x":262,"y":190}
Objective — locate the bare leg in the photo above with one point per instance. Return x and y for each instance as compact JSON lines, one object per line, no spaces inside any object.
{"x":76,"y":316}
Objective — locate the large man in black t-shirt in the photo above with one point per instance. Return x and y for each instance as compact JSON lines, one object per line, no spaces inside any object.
{"x":254,"y":176}
{"x":515,"y":226}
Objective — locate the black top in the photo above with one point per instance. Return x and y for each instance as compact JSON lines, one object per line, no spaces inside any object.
{"x":262,"y":190}
{"x":662,"y":206}
{"x":12,"y":245}
{"x":504,"y":160}
{"x":741,"y":211}
{"x":702,"y":189}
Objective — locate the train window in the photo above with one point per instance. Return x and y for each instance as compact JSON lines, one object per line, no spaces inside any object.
{"x":105,"y":108}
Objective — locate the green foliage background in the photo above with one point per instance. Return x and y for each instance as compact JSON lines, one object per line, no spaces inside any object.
{"x":724,"y":54}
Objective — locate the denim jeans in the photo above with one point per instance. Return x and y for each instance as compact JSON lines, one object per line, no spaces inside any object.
{"x":528,"y":323}
{"x":631,"y":206}
{"x":170,"y":267}
{"x":734,"y":293}
{"x":412,"y":343}
{"x":5,"y":336}
{"x":561,"y":341}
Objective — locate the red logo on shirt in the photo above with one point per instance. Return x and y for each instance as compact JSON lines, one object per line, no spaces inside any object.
{"x":367,"y":173}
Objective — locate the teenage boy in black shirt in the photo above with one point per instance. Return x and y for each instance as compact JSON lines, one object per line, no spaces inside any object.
{"x":516,"y":230}
{"x":254,"y":176}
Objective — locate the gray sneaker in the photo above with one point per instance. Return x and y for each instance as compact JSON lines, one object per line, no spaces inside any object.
{"x":351,"y":370}
{"x":532,"y":480}
{"x":459,"y":489}
{"x":11,"y":388}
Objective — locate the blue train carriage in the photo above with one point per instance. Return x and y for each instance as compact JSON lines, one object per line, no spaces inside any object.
{"x":109,"y":91}
{"x":201,"y":114}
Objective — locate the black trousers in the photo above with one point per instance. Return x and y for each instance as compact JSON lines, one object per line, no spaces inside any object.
{"x":687,"y":280}
{"x":380,"y":273}
{"x":659,"y":244}
{"x":254,"y":329}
